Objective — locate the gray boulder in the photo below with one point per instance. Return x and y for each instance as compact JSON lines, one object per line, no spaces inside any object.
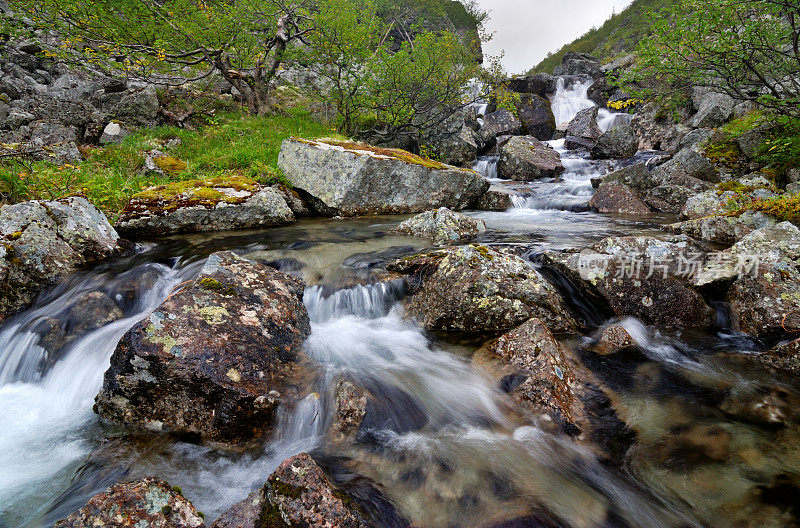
{"x":714,"y":109}
{"x":722,"y":229}
{"x":42,"y":242}
{"x":536,"y":116}
{"x":705,"y":204}
{"x":525,"y":158}
{"x":113,"y":133}
{"x":496,"y":198}
{"x":579,"y":64}
{"x":479,"y":289}
{"x":353,"y":179}
{"x":584,"y":125}
{"x":211,"y":205}
{"x":452,"y":141}
{"x":688,"y":168}
{"x":616,"y":197}
{"x":443,"y":226}
{"x":499,"y":123}
{"x":599,"y":92}
{"x":765,"y":300}
{"x":617,"y":143}
{"x":216,"y":359}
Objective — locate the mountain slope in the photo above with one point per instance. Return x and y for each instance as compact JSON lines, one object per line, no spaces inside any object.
{"x":616,"y":37}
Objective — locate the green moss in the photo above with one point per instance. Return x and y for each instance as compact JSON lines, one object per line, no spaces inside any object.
{"x":177,"y":490}
{"x":170,"y":165}
{"x":727,"y":154}
{"x":214,"y":285}
{"x":785,"y":207}
{"x":285,"y":490}
{"x":397,"y":154}
{"x":166,"y":510}
{"x":271,"y":517}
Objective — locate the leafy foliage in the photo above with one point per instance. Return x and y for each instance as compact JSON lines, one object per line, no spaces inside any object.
{"x":748,"y":50}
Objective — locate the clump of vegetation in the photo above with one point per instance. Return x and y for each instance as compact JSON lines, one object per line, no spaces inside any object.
{"x":232,"y":146}
{"x":727,"y":154}
{"x":785,"y":207}
{"x":398,"y":154}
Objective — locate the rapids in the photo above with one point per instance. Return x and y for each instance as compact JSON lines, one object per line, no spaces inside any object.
{"x":446,"y":445}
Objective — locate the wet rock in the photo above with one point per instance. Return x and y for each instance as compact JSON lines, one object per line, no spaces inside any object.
{"x":443,"y":226}
{"x":616,"y":197}
{"x":579,"y":64}
{"x":613,"y":339}
{"x":148,"y":502}
{"x":722,"y":229}
{"x":548,"y":376}
{"x":244,"y":514}
{"x":499,"y":123}
{"x":714,"y":109}
{"x":526,"y":158}
{"x":376,"y":259}
{"x":221,"y":204}
{"x":785,"y":356}
{"x":641,"y":277}
{"x":350,"y":408}
{"x":599,"y":93}
{"x":216,"y":359}
{"x":496,"y":198}
{"x":536,"y":115}
{"x":41,"y":242}
{"x":300,"y":495}
{"x":770,"y":406}
{"x":352,"y":179}
{"x":577,"y":143}
{"x":479,"y":289}
{"x":584,"y":125}
{"x":617,"y":143}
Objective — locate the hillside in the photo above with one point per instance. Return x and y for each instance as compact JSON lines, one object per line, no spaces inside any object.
{"x":616,"y":37}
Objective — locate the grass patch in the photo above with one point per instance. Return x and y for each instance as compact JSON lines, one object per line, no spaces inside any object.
{"x":230,"y":145}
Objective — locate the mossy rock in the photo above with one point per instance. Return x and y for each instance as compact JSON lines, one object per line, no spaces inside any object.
{"x":170,"y":165}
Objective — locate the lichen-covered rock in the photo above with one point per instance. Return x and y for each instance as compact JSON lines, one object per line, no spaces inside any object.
{"x":244,"y":514}
{"x":705,"y":204}
{"x":42,"y":242}
{"x":722,"y":228}
{"x":785,"y":356}
{"x":658,"y":196}
{"x":525,"y":158}
{"x":300,"y":495}
{"x":616,"y":197}
{"x":688,"y":168}
{"x":216,"y":359}
{"x":657,"y":132}
{"x":350,"y":408}
{"x":443,"y":226}
{"x":714,"y":109}
{"x":765,"y":301}
{"x":536,"y":115}
{"x":452,"y":141}
{"x":641,"y":277}
{"x":496,"y":198}
{"x":194,"y":206}
{"x":339,"y":178}
{"x":499,"y":123}
{"x":617,"y":143}
{"x":149,"y":502}
{"x":479,"y":289}
{"x":584,"y":125}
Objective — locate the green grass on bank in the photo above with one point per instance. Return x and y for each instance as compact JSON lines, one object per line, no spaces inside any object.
{"x":617,"y":37}
{"x":230,"y":144}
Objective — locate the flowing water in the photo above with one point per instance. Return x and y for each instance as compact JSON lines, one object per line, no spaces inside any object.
{"x":444,"y":443}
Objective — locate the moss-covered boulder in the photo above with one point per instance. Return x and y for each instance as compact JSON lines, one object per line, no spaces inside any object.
{"x":213,"y":204}
{"x":217,"y":358}
{"x":479,"y":289}
{"x":147,"y":502}
{"x":42,"y":242}
{"x":351,"y":179}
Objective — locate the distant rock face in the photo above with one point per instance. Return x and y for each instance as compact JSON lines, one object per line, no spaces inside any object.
{"x":216,"y":359}
{"x":149,"y":502}
{"x":42,"y":242}
{"x":204,"y":205}
{"x":618,"y":143}
{"x":579,"y":64}
{"x":616,"y":197}
{"x":352,"y":179}
{"x":642,"y":277}
{"x":443,"y":226}
{"x":524,"y":158}
{"x":478,"y":289}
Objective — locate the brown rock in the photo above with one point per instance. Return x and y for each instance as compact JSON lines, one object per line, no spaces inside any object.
{"x":613,"y":339}
{"x":615,"y":197}
{"x":350,"y":408}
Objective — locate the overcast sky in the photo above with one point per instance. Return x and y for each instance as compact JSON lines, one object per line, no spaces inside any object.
{"x":528,"y":29}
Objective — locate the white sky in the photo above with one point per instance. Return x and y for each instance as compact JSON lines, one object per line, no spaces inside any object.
{"x":528,"y":29}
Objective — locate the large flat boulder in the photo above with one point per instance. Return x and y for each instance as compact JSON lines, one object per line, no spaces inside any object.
{"x":351,"y":179}
{"x":688,"y":168}
{"x":216,"y":359}
{"x":479,"y":289}
{"x":149,"y":502}
{"x":525,"y":158}
{"x":723,"y":228}
{"x":195,"y":206}
{"x":41,"y":242}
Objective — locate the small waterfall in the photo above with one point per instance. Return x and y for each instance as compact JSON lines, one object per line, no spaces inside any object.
{"x":567,"y":102}
{"x":367,"y":301}
{"x":487,"y":167}
{"x":606,"y":119}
